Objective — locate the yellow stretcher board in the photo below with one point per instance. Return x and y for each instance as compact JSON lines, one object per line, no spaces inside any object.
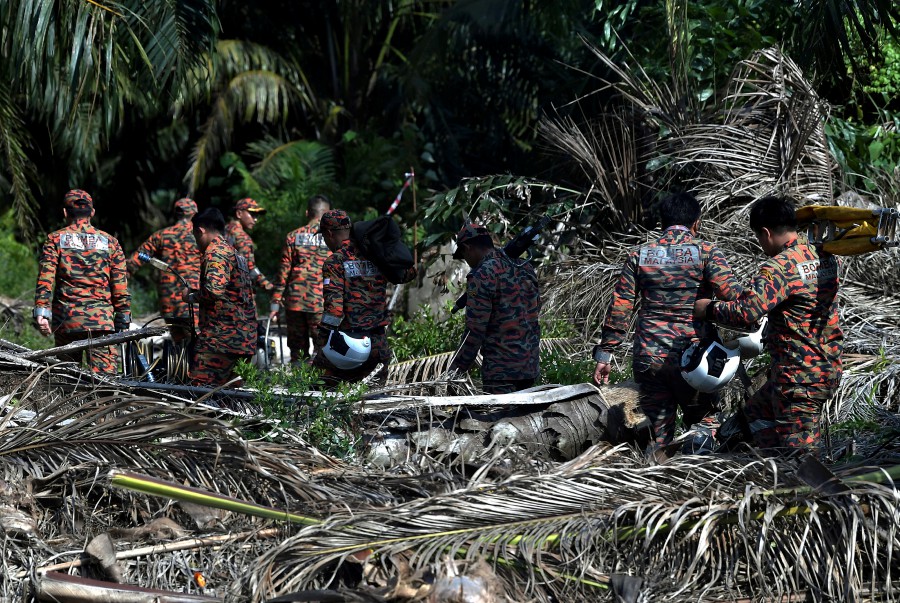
{"x":849,"y":230}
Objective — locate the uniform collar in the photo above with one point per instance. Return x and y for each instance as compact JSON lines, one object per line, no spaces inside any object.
{"x":80,"y":222}
{"x":790,"y":243}
{"x":493,"y":253}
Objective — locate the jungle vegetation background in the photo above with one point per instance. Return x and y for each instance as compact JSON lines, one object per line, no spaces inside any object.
{"x":142,"y":102}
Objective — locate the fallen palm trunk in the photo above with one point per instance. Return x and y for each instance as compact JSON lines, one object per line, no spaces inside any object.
{"x":552,"y":423}
{"x":104,"y":340}
{"x":534,"y":396}
{"x":62,"y":588}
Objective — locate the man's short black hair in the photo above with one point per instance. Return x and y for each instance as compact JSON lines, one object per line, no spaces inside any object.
{"x":319,"y":204}
{"x":775,"y":213}
{"x":679,"y":209}
{"x":211,"y":219}
{"x":78,"y":212}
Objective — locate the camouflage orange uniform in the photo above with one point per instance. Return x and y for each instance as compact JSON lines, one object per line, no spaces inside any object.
{"x":242,"y":242}
{"x":82,"y":278}
{"x":355,"y":302}
{"x":298,"y":286}
{"x":227,"y":314}
{"x":669,"y":275}
{"x":502,"y":307}
{"x":798,"y":291}
{"x":175,"y":245}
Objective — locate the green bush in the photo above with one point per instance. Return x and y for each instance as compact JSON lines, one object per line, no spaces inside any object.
{"x":326,"y":419}
{"x":18,"y":266}
{"x":424,"y":334}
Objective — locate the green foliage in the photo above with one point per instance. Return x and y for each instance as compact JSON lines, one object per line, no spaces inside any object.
{"x":325,"y":417}
{"x":567,"y":369}
{"x":144,"y":298}
{"x":559,"y":366}
{"x":563,"y":369}
{"x":18,"y":268}
{"x":700,"y":42}
{"x":74,"y":72}
{"x":374,"y":168}
{"x":24,"y":334}
{"x":863,"y":151}
{"x":884,"y":74}
{"x":557,"y":328}
{"x":504,"y":203}
{"x":425,"y":334}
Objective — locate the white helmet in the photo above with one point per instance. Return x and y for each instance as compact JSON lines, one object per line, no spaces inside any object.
{"x":709,"y":367}
{"x":346,"y":352}
{"x":751,"y":345}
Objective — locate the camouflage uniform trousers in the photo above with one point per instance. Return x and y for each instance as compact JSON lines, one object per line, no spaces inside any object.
{"x":787,"y":415}
{"x":662,"y":391}
{"x":212,"y":369}
{"x":381,"y":352}
{"x":102,"y":359}
{"x":302,"y":328}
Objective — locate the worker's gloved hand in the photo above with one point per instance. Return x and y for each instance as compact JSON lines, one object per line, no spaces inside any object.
{"x":122,"y":322}
{"x":322,"y":334}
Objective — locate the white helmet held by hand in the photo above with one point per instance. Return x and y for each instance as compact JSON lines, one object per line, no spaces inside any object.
{"x":346,"y":352}
{"x":709,"y":367}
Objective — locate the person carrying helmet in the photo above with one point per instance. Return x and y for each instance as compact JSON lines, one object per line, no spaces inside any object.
{"x":246,"y":213}
{"x":502,"y":307}
{"x":351,"y":335}
{"x":227,"y":331}
{"x":82,"y":285}
{"x":174,"y":245}
{"x":797,"y":288}
{"x":667,"y":275}
{"x":299,"y":280}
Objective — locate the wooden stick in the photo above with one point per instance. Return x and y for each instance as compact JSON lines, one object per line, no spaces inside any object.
{"x":103,"y":340}
{"x":415,"y":222}
{"x":62,"y":588}
{"x":193,"y":543}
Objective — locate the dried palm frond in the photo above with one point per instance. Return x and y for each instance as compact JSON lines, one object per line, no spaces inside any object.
{"x":767,"y":137}
{"x":427,"y":368}
{"x":612,"y":172}
{"x":107,"y":429}
{"x":560,"y":536}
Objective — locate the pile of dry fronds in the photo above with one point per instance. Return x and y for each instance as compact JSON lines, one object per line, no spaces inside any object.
{"x":694,"y":527}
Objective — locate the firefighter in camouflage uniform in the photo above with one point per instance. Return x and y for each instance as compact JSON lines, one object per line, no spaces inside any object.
{"x":246,"y":213}
{"x":355,"y":301}
{"x":797,"y":288}
{"x":502,"y":307}
{"x":174,"y":245}
{"x":82,"y":285}
{"x":227,"y":331}
{"x":667,"y":276}
{"x":298,"y":284}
